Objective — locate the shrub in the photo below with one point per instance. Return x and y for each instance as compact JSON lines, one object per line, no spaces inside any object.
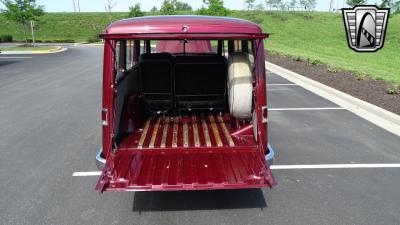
{"x":93,"y":39}
{"x":314,"y":62}
{"x":359,"y":75}
{"x":297,"y":58}
{"x":253,"y":17}
{"x":68,"y":41}
{"x":6,"y":38}
{"x":332,"y":69}
{"x":393,"y":90}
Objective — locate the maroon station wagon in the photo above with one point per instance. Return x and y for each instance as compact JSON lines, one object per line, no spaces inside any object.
{"x":184,"y":105}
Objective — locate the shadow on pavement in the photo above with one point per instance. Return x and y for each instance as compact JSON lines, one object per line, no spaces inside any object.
{"x":198,"y":200}
{"x":4,"y":63}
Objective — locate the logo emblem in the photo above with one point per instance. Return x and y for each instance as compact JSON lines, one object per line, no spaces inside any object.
{"x":365,"y":27}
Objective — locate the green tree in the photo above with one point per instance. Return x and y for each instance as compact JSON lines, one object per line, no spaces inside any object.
{"x":154,"y":9}
{"x":214,"y":8}
{"x":293,"y":4}
{"x":249,"y":4}
{"x":108,"y":7}
{"x":396,"y":7}
{"x":274,"y":3}
{"x":386,"y":4}
{"x":22,"y":11}
{"x":168,"y":7}
{"x":135,"y":11}
{"x":311,"y":4}
{"x":182,"y":6}
{"x":268,"y":3}
{"x":353,"y":3}
{"x":259,"y":7}
{"x":308,"y":4}
{"x":393,"y":5}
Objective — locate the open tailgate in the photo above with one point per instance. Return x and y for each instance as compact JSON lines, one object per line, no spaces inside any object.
{"x":202,"y":169}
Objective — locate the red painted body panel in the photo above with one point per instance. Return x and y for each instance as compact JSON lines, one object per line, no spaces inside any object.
{"x":130,"y":168}
{"x":174,"y":24}
{"x":186,"y":170}
{"x":108,"y":87}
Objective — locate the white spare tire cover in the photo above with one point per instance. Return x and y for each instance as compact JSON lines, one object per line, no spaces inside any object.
{"x":240,"y":87}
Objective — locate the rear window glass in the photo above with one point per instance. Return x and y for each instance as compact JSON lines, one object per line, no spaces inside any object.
{"x":181,"y":46}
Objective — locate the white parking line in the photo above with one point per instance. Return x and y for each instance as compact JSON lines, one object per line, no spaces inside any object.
{"x":15,"y":57}
{"x":282,"y":85}
{"x":306,"y":109}
{"x":334,"y":166}
{"x":289,"y":167}
{"x":86,"y":174}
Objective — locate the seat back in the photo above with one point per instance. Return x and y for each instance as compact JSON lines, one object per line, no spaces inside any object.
{"x":156,"y":81}
{"x":200,"y":82}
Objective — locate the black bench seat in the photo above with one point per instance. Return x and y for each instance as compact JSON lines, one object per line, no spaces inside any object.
{"x":182,"y":82}
{"x":200,"y":82}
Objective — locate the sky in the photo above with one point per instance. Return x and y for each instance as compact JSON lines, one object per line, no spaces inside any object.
{"x":123,"y":5}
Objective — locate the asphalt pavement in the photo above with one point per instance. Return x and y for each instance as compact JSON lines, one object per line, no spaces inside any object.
{"x":50,"y":128}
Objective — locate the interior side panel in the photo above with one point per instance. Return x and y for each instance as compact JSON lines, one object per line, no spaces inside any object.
{"x":127,"y":87}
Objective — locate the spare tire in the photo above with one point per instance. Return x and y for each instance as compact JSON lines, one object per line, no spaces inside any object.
{"x":240,"y":85}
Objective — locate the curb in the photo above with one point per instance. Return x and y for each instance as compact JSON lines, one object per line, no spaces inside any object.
{"x":51,"y":51}
{"x":88,"y":44}
{"x":374,"y":114}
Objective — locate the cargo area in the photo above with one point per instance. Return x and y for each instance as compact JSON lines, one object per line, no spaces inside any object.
{"x":185,"y":121}
{"x":189,"y":131}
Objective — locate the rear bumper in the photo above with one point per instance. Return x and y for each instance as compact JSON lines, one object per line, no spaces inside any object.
{"x":100,"y":161}
{"x":270,"y":156}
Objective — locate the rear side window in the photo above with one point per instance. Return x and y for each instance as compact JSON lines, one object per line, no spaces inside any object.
{"x":126,"y":55}
{"x":245,"y":46}
{"x":130,"y":51}
{"x":117,"y":56}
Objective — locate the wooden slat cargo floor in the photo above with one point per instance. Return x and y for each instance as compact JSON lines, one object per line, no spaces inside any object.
{"x":193,"y":131}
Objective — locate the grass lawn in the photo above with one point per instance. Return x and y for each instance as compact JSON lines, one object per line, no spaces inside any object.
{"x":321,"y":39}
{"x":318,"y":37}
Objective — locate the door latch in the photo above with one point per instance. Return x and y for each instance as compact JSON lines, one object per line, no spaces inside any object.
{"x":104,"y":117}
{"x":264,"y":114}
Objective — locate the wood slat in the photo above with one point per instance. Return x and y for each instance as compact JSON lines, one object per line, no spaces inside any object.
{"x":175,"y":133}
{"x":185,"y":135}
{"x":195,"y":132}
{"x":226,"y":132}
{"x":154,"y":134}
{"x":215,"y":131}
{"x":144,"y":133}
{"x":205,"y":132}
{"x":165,"y":132}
